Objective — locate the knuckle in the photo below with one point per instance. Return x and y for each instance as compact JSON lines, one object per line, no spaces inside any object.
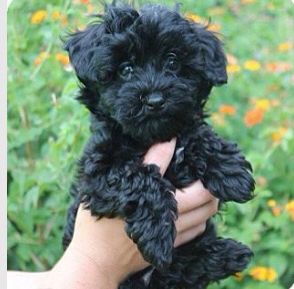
{"x":208,"y":193}
{"x":203,"y":228}
{"x":214,"y":206}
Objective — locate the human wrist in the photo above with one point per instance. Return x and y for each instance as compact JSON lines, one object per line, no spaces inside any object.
{"x":107,"y":243}
{"x":78,"y":270}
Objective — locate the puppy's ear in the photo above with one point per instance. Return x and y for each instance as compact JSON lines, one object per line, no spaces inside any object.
{"x":212,"y":57}
{"x":82,"y":47}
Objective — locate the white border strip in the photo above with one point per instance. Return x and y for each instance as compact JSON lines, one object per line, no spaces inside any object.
{"x":3,"y":144}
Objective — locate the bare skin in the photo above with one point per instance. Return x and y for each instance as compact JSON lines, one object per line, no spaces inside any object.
{"x":101,"y":255}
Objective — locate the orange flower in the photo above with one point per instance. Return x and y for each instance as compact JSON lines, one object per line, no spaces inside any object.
{"x":62,"y":58}
{"x":90,"y":8}
{"x":275,"y":102}
{"x":285,"y":46}
{"x":56,"y":15}
{"x":197,"y":19}
{"x":272,"y":87}
{"x":231,"y":59}
{"x":227,"y":109}
{"x":253,"y":117}
{"x":278,"y":67}
{"x":218,"y":119}
{"x":261,"y":181}
{"x":270,"y":6}
{"x":252,"y":65}
{"x":38,"y":16}
{"x":271,"y":203}
{"x":262,"y":103}
{"x":84,"y":2}
{"x":263,"y":274}
{"x":244,"y":2}
{"x":233,"y":68}
{"x":258,"y":273}
{"x":277,"y":135}
{"x":63,"y":20}
{"x":276,"y":211}
{"x":289,"y":207}
{"x":238,"y":276}
{"x":214,"y":27}
{"x":193,"y":17}
{"x":40,"y":58}
{"x":271,"y":275}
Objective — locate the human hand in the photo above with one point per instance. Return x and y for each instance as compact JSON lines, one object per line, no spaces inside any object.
{"x":195,"y":204}
{"x":104,"y":249}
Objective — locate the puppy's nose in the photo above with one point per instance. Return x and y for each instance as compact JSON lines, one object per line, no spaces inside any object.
{"x":155,"y":101}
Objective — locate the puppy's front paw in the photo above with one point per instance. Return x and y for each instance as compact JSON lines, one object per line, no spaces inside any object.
{"x":236,"y":185}
{"x":150,"y":220}
{"x":239,"y":187}
{"x":153,"y":236}
{"x":229,"y":175}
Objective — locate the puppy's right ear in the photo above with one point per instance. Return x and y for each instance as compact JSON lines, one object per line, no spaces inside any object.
{"x":82,"y":47}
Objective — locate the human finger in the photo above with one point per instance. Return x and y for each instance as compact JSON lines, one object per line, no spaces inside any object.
{"x":197,"y":216}
{"x":189,"y":234}
{"x":192,"y":197}
{"x":161,"y":154}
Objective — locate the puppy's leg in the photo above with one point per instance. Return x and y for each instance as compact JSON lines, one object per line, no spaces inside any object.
{"x":228,"y":173}
{"x":139,"y":195}
{"x":203,"y":260}
{"x":219,"y":164}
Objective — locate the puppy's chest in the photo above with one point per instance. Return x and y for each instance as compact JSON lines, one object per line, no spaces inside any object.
{"x":184,"y":169}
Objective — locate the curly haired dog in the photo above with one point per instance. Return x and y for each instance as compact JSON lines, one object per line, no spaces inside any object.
{"x":145,"y":78}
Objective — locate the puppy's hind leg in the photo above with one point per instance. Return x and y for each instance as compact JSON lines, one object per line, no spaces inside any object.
{"x":203,"y":260}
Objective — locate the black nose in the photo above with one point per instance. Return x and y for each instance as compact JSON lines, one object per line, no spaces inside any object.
{"x":155,"y":101}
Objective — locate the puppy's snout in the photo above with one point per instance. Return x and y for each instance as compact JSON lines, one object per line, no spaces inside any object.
{"x":154,"y":101}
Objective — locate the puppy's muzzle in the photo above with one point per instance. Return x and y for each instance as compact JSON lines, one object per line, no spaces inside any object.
{"x":153,"y":101}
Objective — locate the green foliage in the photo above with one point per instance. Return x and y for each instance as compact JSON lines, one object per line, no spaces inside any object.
{"x":47,"y":129}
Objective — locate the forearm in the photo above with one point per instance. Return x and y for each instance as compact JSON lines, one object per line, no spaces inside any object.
{"x":74,"y":270}
{"x":77,"y":270}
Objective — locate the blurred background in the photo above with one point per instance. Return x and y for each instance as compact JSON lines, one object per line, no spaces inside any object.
{"x":47,"y":128}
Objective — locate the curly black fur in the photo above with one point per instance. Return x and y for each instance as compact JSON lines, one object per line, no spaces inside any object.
{"x":145,"y":77}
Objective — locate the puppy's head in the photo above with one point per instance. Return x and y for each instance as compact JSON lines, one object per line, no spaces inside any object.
{"x":150,"y":70}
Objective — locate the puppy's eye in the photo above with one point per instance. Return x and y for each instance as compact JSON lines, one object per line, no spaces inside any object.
{"x":172,"y":62}
{"x":126,"y":71}
{"x":104,"y":77}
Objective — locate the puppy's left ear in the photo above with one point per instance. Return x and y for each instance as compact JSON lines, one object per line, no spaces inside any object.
{"x":82,"y":47}
{"x":212,"y":57}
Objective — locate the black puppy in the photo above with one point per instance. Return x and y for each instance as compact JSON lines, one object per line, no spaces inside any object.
{"x":145,"y":77}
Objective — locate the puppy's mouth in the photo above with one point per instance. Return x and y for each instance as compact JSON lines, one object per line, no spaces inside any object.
{"x":158,"y":123}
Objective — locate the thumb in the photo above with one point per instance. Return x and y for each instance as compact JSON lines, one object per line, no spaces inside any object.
{"x":161,"y":154}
